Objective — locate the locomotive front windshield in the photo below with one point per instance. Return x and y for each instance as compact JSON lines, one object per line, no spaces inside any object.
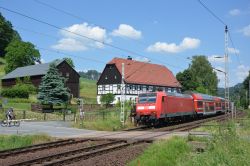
{"x":147,"y":98}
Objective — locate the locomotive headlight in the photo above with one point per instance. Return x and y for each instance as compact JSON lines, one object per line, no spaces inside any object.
{"x":152,"y":107}
{"x":140,"y":108}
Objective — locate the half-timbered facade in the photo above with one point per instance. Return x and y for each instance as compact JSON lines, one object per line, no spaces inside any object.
{"x":36,"y":72}
{"x":139,"y":77}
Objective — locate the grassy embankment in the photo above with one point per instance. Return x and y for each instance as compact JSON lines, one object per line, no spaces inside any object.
{"x":16,"y":141}
{"x":103,"y":120}
{"x":229,"y":145}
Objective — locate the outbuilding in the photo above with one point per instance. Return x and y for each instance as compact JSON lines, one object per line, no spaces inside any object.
{"x":36,"y":72}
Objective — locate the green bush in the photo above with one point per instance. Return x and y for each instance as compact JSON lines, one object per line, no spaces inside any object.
{"x":16,"y":92}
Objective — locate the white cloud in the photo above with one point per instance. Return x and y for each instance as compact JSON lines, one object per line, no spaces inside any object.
{"x":127,"y":31}
{"x":76,"y":41}
{"x":246,"y":30}
{"x":234,"y":12}
{"x":242,"y":72}
{"x":187,"y":43}
{"x":70,"y":44}
{"x":142,"y":59}
{"x":233,"y":51}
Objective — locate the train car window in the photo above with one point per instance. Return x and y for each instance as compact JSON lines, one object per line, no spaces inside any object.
{"x":200,"y":104}
{"x":162,"y":99}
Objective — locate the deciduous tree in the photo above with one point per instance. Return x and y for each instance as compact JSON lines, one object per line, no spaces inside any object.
{"x":19,"y":54}
{"x":7,"y":33}
{"x":107,"y":98}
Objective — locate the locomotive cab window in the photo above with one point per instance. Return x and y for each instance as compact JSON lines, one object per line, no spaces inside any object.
{"x":147,"y":98}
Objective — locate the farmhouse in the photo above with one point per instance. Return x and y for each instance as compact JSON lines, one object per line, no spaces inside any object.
{"x":138,"y":77}
{"x":36,"y":72}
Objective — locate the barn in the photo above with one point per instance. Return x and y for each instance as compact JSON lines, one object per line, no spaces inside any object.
{"x":36,"y":72}
{"x":138,"y":77}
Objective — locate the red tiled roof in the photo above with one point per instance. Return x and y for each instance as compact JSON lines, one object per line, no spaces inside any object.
{"x":137,"y":72}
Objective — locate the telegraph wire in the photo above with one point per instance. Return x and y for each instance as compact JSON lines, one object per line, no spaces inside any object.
{"x":235,"y":52}
{"x":80,"y":18}
{"x":211,"y":12}
{"x":222,"y":22}
{"x":83,"y":19}
{"x":57,"y":38}
{"x":95,"y":40}
{"x":62,"y":53}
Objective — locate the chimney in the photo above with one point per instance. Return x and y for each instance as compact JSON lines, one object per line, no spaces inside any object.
{"x":129,"y":58}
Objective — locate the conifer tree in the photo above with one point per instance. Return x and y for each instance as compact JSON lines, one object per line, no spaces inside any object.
{"x":52,"y":89}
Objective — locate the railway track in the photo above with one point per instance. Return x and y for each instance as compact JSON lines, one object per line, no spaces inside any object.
{"x":79,"y":154}
{"x":83,"y":153}
{"x":38,"y":147}
{"x":194,"y":124}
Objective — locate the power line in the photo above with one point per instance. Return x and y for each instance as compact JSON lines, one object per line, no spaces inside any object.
{"x":235,"y":52}
{"x":80,"y":18}
{"x":83,"y":19}
{"x":56,"y":38}
{"x":211,"y":12}
{"x":89,"y":38}
{"x":221,"y":21}
{"x":59,"y":52}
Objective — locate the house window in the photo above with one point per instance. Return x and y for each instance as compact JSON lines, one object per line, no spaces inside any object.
{"x":119,"y":87}
{"x":67,"y":74}
{"x":103,"y":87}
{"x":146,"y":87}
{"x":115,"y":77}
{"x":106,"y":77}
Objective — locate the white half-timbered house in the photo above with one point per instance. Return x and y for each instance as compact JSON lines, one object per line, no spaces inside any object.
{"x":138,"y":77}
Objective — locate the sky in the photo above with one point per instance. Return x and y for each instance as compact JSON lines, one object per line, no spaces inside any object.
{"x":166,"y":32}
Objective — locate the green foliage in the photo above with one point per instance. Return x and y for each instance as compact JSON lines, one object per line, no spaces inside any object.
{"x":168,"y":152}
{"x":107,"y":98}
{"x":205,"y":76}
{"x":246,"y":82}
{"x":22,"y":89}
{"x":199,"y":76}
{"x":187,"y":80}
{"x":7,"y":34}
{"x":70,"y":62}
{"x":19,"y":54}
{"x":18,"y":91}
{"x":52,"y":89}
{"x":16,"y":141}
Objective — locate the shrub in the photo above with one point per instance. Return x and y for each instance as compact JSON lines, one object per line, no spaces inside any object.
{"x":16,"y":92}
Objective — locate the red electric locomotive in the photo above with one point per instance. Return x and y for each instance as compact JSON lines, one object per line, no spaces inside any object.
{"x":155,"y":107}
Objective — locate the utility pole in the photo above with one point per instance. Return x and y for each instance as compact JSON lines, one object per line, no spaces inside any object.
{"x":122,"y":119}
{"x":226,"y":70}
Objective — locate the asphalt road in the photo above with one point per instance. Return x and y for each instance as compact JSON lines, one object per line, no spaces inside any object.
{"x":51,"y":128}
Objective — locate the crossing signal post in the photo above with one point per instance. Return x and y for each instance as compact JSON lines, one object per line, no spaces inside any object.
{"x":123,"y":91}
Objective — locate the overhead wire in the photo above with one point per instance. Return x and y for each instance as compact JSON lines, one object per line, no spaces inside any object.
{"x":222,"y":22}
{"x":83,"y":19}
{"x":89,"y":38}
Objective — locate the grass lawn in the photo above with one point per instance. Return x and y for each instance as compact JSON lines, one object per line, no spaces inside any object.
{"x":103,"y":120}
{"x":88,"y":90}
{"x":229,"y":145}
{"x":16,"y":141}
